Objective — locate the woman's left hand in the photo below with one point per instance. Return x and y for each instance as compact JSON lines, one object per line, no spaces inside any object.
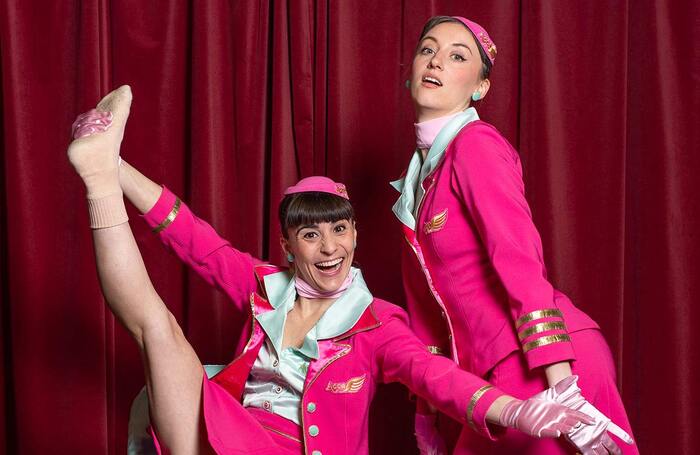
{"x":589,"y":439}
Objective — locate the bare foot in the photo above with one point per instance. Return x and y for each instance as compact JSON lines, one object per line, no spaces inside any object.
{"x":96,"y":157}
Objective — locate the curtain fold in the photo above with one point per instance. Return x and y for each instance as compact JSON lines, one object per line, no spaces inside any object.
{"x":660,"y":354}
{"x":234,"y":101}
{"x":573,"y":123}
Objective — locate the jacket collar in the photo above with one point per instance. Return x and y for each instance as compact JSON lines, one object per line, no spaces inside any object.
{"x":345,"y":316}
{"x":410,"y":186}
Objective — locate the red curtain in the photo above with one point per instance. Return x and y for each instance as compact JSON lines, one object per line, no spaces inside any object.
{"x":235,"y":100}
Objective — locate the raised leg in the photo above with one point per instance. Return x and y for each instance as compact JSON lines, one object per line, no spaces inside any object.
{"x":173,"y":371}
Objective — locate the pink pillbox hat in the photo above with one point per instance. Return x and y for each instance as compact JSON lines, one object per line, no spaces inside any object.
{"x":318,"y":183}
{"x":482,"y":37}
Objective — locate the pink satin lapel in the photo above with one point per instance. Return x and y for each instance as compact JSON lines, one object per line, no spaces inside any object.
{"x":328,"y":352}
{"x":233,"y":377}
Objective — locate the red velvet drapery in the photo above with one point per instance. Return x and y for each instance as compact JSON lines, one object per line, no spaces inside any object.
{"x":235,"y":100}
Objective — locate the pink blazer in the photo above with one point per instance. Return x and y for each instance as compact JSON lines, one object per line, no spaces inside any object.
{"x":473,"y":271}
{"x":340,"y":384}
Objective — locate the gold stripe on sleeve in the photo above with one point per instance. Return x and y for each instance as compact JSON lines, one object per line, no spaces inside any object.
{"x":472,"y":404}
{"x":544,"y":341}
{"x":539,"y":314}
{"x":170,"y":218}
{"x":541,"y":327}
{"x":435,"y":350}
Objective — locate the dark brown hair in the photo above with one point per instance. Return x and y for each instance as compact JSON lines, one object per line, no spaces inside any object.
{"x":313,"y":207}
{"x":437,"y":20}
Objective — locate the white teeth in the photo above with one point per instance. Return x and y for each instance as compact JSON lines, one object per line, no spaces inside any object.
{"x":432,"y":79}
{"x":330,"y":263}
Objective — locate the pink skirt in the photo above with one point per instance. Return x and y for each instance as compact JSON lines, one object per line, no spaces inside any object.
{"x":596,"y":370}
{"x":232,"y":429}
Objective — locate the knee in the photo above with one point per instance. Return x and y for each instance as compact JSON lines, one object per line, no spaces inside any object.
{"x":163,"y":331}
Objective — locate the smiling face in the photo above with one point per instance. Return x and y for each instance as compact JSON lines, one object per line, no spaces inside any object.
{"x":446,"y":71}
{"x":323,"y":252}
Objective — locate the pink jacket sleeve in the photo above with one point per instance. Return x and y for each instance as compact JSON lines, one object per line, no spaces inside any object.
{"x":198,"y":245}
{"x":401,"y":357}
{"x":487,"y":175}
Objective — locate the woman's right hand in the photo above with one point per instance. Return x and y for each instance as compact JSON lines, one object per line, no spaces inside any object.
{"x":542,"y":418}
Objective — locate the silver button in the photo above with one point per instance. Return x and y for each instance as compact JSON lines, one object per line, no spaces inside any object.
{"x":277,"y":389}
{"x":267,"y":405}
{"x":275,"y":363}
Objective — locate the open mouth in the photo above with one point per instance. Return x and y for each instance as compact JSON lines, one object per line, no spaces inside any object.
{"x":330,"y":266}
{"x":432,"y":80}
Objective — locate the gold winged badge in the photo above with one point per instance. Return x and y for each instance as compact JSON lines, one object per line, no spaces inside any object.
{"x":436,"y":223}
{"x":352,"y":385}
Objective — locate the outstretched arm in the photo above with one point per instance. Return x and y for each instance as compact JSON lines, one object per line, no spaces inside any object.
{"x":463,"y":395}
{"x":139,"y":189}
{"x":192,"y":239}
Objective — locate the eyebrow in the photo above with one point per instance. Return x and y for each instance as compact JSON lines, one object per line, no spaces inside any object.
{"x":463,"y":45}
{"x":454,"y":44}
{"x":305,"y":226}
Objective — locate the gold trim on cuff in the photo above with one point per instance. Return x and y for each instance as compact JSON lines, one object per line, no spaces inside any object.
{"x":472,"y":404}
{"x":544,"y":341}
{"x":539,"y":314}
{"x":170,"y":218}
{"x":436,"y":350}
{"x":541,"y":327}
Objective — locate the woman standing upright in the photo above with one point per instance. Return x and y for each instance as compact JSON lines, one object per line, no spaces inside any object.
{"x":472,"y":268}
